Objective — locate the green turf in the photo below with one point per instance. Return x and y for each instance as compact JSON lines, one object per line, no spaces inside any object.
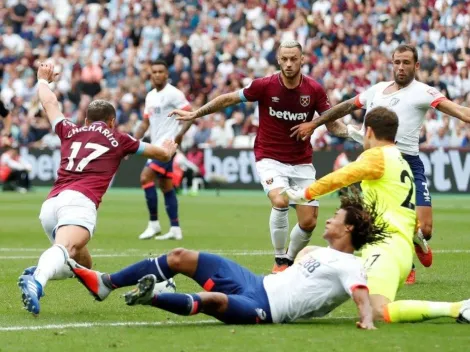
{"x":235,"y":222}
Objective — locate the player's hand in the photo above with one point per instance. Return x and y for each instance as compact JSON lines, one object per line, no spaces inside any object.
{"x":303,"y":131}
{"x":183,"y":115}
{"x":170,"y":146}
{"x":366,"y":325}
{"x":295,"y":194}
{"x":46,"y":71}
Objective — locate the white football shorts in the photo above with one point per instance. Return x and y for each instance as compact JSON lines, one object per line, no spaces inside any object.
{"x":274,"y":174}
{"x":67,"y":208}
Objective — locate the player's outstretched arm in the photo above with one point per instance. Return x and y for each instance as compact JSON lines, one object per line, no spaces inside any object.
{"x":305,"y":130}
{"x":163,"y":153}
{"x":143,"y":127}
{"x":46,"y":95}
{"x":361,"y":298}
{"x":214,"y":105}
{"x":453,"y":109}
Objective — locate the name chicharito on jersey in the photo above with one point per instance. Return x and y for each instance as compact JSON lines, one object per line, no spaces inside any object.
{"x":95,"y":128}
{"x":287,"y":115}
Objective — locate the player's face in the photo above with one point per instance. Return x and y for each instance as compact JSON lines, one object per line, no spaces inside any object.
{"x":159,"y":75}
{"x":335,"y":227}
{"x":404,"y":68}
{"x":290,"y":60}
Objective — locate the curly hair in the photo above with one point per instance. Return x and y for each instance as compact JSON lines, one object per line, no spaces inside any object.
{"x":364,"y":217}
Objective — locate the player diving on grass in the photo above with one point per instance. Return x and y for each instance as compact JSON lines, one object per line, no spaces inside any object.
{"x":286,"y":99}
{"x":90,"y":156}
{"x":387,"y":177}
{"x":320,"y":280}
{"x":410,"y":100}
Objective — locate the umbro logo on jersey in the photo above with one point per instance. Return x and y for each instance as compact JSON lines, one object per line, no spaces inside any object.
{"x":275,"y":99}
{"x":394,"y":102}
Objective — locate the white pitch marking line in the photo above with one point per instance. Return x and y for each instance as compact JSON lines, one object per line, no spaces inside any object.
{"x":127,"y":324}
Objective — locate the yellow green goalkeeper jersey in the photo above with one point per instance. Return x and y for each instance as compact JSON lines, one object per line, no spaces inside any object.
{"x":386,"y":176}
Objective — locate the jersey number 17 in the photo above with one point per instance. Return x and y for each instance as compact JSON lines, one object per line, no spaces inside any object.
{"x":98,"y":150}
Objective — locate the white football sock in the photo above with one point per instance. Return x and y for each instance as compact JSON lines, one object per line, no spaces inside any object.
{"x":299,"y":239}
{"x":51,"y":264}
{"x":279,"y":228}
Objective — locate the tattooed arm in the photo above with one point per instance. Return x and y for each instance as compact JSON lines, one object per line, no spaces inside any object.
{"x":214,"y":105}
{"x":305,"y":130}
{"x":338,"y":128}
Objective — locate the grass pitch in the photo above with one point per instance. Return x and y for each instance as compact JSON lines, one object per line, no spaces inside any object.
{"x":234,"y":224}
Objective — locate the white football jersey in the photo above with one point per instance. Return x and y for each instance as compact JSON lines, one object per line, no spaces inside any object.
{"x":157,"y":107}
{"x":319,"y":282}
{"x":410,"y":104}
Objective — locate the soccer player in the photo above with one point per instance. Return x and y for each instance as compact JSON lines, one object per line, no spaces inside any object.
{"x":286,"y":99}
{"x":90,"y":156}
{"x":387,"y":177}
{"x":410,"y":100}
{"x":5,"y":139}
{"x":158,"y":104}
{"x":319,"y":281}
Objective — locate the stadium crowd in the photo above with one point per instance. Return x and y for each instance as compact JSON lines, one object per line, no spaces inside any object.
{"x":102,"y":49}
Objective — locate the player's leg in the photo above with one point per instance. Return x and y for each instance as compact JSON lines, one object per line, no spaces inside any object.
{"x":230,"y":309}
{"x":302,"y":232}
{"x":424,"y":214}
{"x":147,"y":182}
{"x":76,"y":219}
{"x":409,"y":311}
{"x":303,"y":176}
{"x":385,"y":272}
{"x":100,"y":285}
{"x":271,"y":176}
{"x":171,"y":203}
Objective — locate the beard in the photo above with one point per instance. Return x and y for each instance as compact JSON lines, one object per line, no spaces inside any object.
{"x":403,"y":81}
{"x":291,"y":74}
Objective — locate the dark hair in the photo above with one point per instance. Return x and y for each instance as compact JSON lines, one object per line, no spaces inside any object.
{"x":159,"y":62}
{"x":364,"y":217}
{"x":406,"y":47}
{"x":384,"y":123}
{"x":100,"y":110}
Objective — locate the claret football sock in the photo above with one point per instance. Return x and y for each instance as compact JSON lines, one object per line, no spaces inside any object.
{"x":178,"y":303}
{"x":299,"y":238}
{"x":51,"y":265}
{"x":414,"y":311}
{"x":130,"y":276}
{"x":279,"y":228}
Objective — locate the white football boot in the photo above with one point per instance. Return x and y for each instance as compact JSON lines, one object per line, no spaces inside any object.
{"x":464,"y":314}
{"x":152,"y":230}
{"x":175,"y":233}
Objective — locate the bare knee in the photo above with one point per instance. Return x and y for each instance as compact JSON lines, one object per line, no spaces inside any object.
{"x":308,"y":224}
{"x":378,"y":313}
{"x":146,"y":177}
{"x":214,"y":303}
{"x":279,"y":201}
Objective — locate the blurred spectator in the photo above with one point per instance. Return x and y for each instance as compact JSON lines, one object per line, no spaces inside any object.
{"x":103,"y":49}
{"x":14,"y":171}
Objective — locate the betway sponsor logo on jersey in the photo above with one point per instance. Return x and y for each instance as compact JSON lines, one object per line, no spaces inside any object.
{"x":287,"y":115}
{"x":94,"y":127}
